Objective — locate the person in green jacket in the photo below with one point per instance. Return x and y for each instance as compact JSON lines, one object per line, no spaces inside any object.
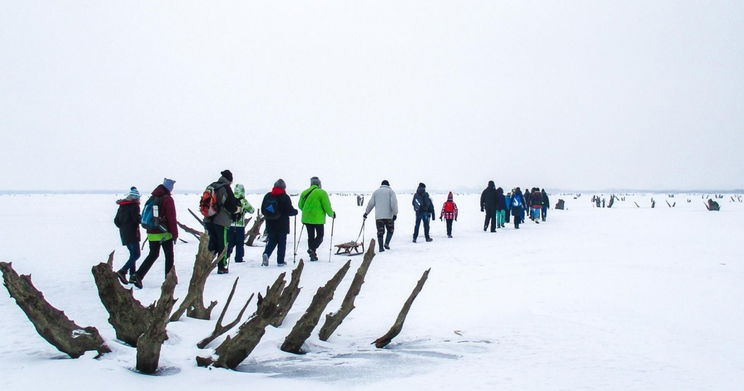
{"x":315,"y":206}
{"x":236,"y":232}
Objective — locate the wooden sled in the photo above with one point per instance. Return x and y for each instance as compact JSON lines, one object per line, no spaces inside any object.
{"x":348,"y":247}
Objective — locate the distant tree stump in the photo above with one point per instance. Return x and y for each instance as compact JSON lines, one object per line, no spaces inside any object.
{"x":52,"y":324}
{"x":150,"y":342}
{"x":333,"y":320}
{"x":398,"y":325}
{"x":560,"y":204}
{"x":255,"y":230}
{"x":304,"y":327}
{"x":193,"y":303}
{"x":288,"y":297}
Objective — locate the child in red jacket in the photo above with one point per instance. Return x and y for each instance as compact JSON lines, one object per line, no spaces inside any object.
{"x":449,"y":213}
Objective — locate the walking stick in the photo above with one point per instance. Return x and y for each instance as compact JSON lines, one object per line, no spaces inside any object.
{"x":297,"y":244}
{"x":294,"y":241}
{"x":330,"y":245}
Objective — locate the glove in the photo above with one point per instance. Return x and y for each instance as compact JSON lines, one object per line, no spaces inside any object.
{"x":395,"y":217}
{"x":482,"y":209}
{"x":365,"y":216}
{"x":334,"y":215}
{"x":433,"y":218}
{"x":440,"y":218}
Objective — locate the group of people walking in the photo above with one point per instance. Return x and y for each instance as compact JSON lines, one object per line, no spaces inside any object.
{"x":224,"y":210}
{"x":499,"y":206}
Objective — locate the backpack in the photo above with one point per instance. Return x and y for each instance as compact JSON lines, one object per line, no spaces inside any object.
{"x":449,"y":206}
{"x":149,"y":220}
{"x":270,"y":208}
{"x":515,"y":202}
{"x":420,"y":203}
{"x":209,"y":204}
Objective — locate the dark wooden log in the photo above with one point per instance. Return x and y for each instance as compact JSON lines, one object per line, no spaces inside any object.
{"x":334,"y":319}
{"x":219,"y":329}
{"x":234,"y":350}
{"x":126,"y":314}
{"x":636,"y":204}
{"x":255,"y":230}
{"x":150,"y":342}
{"x":398,"y":325}
{"x":304,"y":327}
{"x":52,"y":324}
{"x":289,"y":295}
{"x":612,"y":201}
{"x":193,"y":303}
{"x":560,"y":204}
{"x":197,"y":234}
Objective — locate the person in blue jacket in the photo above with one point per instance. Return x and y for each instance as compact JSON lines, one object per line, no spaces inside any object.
{"x":517,"y":203}
{"x":507,"y":201}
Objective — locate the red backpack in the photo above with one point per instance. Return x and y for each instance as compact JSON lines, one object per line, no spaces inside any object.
{"x":208,"y":204}
{"x":449,"y":206}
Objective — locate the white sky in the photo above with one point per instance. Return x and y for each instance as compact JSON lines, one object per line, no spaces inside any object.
{"x":571,"y":94}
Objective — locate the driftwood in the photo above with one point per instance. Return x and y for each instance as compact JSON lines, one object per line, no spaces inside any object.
{"x":193,"y":304}
{"x":234,"y":350}
{"x":289,"y":295}
{"x":398,"y":325}
{"x":334,"y":319}
{"x":560,"y":204}
{"x":150,"y":342}
{"x":304,"y":327}
{"x":653,"y":203}
{"x":197,"y":217}
{"x":219,"y":329}
{"x":636,"y":204}
{"x":197,"y":234}
{"x":52,"y":324}
{"x":255,"y":231}
{"x":127,"y":315}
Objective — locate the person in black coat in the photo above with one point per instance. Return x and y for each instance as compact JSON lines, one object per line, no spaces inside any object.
{"x":488,"y":204}
{"x":277,"y":228}
{"x":127,"y":220}
{"x":500,"y":208}
{"x":545,"y":205}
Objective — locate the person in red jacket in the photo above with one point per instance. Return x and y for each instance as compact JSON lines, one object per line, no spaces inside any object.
{"x":449,"y":213}
{"x":166,"y":211}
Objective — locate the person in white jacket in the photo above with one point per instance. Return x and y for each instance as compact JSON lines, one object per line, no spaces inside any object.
{"x":386,"y":211}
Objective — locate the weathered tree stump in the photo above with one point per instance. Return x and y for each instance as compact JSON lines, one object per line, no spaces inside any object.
{"x":197,"y":234}
{"x":333,"y":320}
{"x":398,"y":325}
{"x":150,"y":342}
{"x":219,"y":329}
{"x":255,"y":230}
{"x":289,"y":295}
{"x":127,"y":315}
{"x":193,"y":304}
{"x":304,"y":327}
{"x":560,"y":204}
{"x":612,"y":201}
{"x":234,"y":350}
{"x":52,"y":324}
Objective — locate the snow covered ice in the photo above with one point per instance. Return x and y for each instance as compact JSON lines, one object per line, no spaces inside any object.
{"x":612,"y":299}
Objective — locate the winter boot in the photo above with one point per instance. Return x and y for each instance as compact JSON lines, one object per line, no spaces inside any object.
{"x":136,"y":281}
{"x":265,"y":261}
{"x":387,"y":240}
{"x":122,"y":277}
{"x":379,"y":243}
{"x":429,"y":239}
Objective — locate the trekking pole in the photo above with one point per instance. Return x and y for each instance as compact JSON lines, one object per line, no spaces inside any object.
{"x":330,"y":245}
{"x":294,"y":241}
{"x":297,"y":245}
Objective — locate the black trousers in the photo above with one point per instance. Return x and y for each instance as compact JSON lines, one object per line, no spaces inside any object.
{"x":154,"y":254}
{"x":490,"y":216}
{"x":449,"y":226}
{"x":314,"y":236}
{"x":217,"y":240}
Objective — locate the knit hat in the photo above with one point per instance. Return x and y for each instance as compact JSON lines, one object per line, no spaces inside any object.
{"x":168,"y":183}
{"x":133,"y":194}
{"x":449,"y":196}
{"x":280,"y":184}
{"x":227,"y":174}
{"x":385,"y":182}
{"x":315,"y":181}
{"x":239,"y":191}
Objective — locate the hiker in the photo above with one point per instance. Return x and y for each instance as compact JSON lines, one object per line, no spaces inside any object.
{"x":315,"y":206}
{"x":218,"y":221}
{"x":535,"y":205}
{"x":236,"y":232}
{"x":277,"y":207}
{"x":507,"y":204}
{"x":386,"y":212}
{"x":127,"y":220}
{"x":500,"y":208}
{"x":517,"y":203}
{"x":545,"y":205}
{"x":424,"y":209}
{"x":488,"y":204}
{"x":449,"y":213}
{"x":527,"y":202}
{"x":164,"y":211}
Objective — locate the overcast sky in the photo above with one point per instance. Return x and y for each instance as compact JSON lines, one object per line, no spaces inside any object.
{"x":570,"y":94}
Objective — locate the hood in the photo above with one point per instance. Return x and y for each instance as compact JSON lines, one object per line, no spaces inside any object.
{"x":160,"y":191}
{"x":499,"y":191}
{"x":277,"y":191}
{"x":421,"y":189}
{"x":449,"y":196}
{"x":491,"y":185}
{"x":239,"y":191}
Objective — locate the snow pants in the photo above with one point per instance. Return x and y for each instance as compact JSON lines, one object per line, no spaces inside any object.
{"x":425,"y":217}
{"x":236,"y":239}
{"x":500,"y":218}
{"x":278,"y":241}
{"x":167,"y":246}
